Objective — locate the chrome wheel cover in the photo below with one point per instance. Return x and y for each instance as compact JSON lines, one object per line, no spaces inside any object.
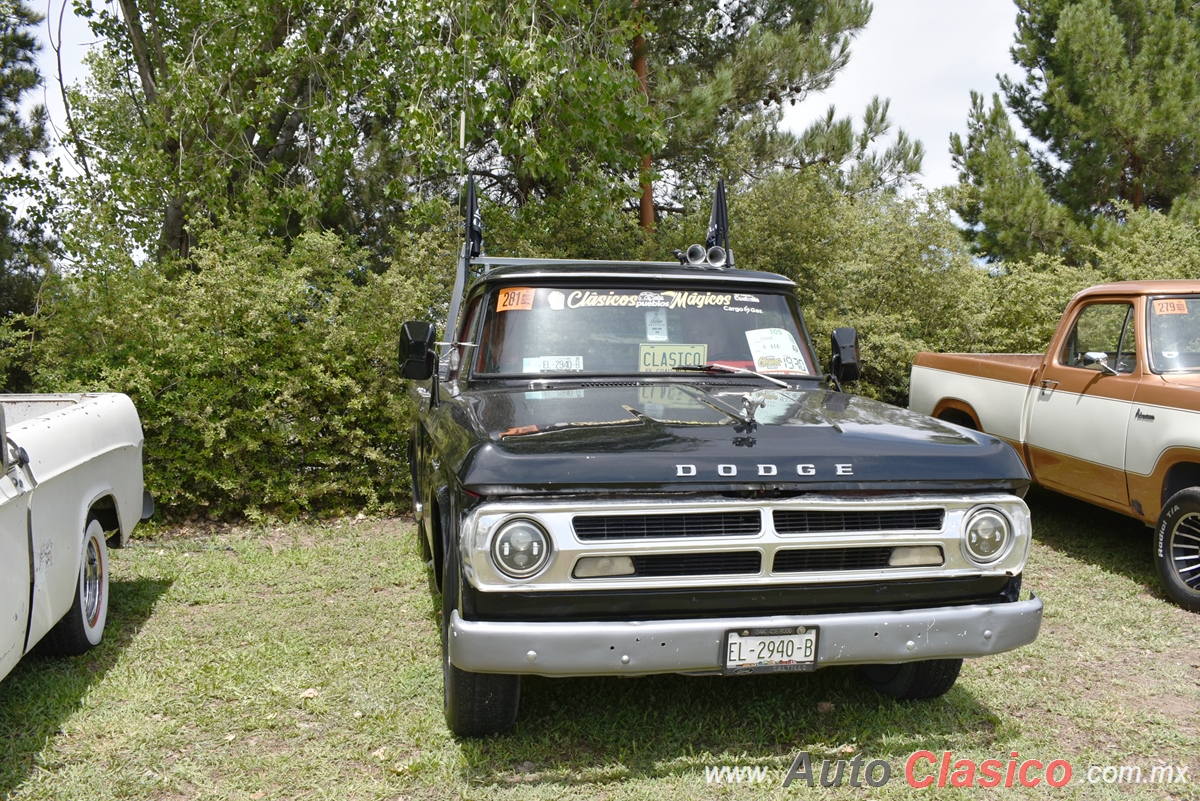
{"x":91,"y":585}
{"x":1183,"y":550}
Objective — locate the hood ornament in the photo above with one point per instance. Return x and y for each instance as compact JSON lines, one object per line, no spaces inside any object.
{"x":751,"y":403}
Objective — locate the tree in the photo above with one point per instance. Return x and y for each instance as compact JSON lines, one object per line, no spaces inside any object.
{"x":1111,"y":97}
{"x":199,"y":112}
{"x":22,"y":138}
{"x":342,"y":116}
{"x":721,"y":72}
{"x":551,"y":97}
{"x":555,"y":98}
{"x":1001,"y":197}
{"x":1112,"y":89}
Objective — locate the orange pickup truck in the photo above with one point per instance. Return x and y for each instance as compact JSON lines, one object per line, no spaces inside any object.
{"x":1110,"y":414}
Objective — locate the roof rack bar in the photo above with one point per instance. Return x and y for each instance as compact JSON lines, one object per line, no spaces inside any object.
{"x":500,"y":261}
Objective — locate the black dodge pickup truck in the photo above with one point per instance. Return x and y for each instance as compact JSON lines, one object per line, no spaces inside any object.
{"x":639,"y":467}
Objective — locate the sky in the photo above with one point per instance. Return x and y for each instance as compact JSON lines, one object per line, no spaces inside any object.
{"x":60,"y":26}
{"x":924,"y":55}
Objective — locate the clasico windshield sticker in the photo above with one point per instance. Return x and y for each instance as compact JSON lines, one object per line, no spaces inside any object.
{"x":775,"y":351}
{"x":552,"y":364}
{"x":670,"y":299}
{"x":656,"y":325}
{"x":1170,"y":306}
{"x":515,"y":298}
{"x":665,"y":358}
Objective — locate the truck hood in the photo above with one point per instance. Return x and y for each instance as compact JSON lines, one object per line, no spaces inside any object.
{"x":702,"y":437}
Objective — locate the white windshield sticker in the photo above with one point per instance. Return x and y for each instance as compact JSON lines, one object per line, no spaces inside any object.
{"x":775,"y":351}
{"x":656,"y":325}
{"x":552,"y":364}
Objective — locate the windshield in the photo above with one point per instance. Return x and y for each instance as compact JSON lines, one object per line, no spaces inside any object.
{"x":1175,"y":334}
{"x":599,"y":329}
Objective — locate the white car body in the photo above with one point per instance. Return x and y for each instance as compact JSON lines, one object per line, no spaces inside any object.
{"x":68,"y":459}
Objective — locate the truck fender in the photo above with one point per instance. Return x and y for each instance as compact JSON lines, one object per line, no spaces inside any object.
{"x":444,"y":537}
{"x":104,"y":508}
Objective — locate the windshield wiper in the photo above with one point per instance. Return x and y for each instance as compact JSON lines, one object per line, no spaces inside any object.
{"x":715,"y":367}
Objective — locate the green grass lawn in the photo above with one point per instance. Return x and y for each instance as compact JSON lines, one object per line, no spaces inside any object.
{"x":304,"y":662}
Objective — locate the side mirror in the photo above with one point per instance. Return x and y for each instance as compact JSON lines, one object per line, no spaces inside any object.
{"x":1098,"y":358}
{"x":417,"y":350}
{"x":845,"y":365}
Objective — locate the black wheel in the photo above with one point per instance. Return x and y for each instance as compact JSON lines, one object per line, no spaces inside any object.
{"x":476,"y":704}
{"x":913,"y":681}
{"x":1177,"y":548}
{"x":82,"y":626}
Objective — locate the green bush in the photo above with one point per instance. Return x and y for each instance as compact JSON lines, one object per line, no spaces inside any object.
{"x":1023,"y":301}
{"x":265,"y":377}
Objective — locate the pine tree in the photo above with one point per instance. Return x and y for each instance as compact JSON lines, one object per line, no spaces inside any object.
{"x":721,"y":73}
{"x":22,"y":137}
{"x":1001,"y":197}
{"x":1111,"y":97}
{"x":1112,"y":89}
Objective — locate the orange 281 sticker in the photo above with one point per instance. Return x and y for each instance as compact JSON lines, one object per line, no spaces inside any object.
{"x":1173,"y":306}
{"x":516,"y":298}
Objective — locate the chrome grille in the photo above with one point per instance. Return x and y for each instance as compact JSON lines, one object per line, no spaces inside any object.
{"x":791,"y":521}
{"x":697,"y":564}
{"x":811,"y":560}
{"x":629,"y":527}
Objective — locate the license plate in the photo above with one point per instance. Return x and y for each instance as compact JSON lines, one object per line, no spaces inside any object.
{"x":783,"y":650}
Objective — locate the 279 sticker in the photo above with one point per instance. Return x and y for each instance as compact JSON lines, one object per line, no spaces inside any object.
{"x":1170,"y":306}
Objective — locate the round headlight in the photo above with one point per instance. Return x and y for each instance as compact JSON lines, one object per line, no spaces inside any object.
{"x":987,"y":536}
{"x":520,"y":548}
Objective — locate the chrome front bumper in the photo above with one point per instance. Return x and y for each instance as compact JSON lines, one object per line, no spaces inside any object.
{"x":694,"y":646}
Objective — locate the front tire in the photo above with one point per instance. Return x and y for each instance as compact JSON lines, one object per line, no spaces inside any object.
{"x":913,"y":681}
{"x":476,"y":704}
{"x":1177,"y":548}
{"x":83,"y":626}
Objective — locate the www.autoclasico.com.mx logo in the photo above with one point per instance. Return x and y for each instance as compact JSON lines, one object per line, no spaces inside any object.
{"x":926,"y":769}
